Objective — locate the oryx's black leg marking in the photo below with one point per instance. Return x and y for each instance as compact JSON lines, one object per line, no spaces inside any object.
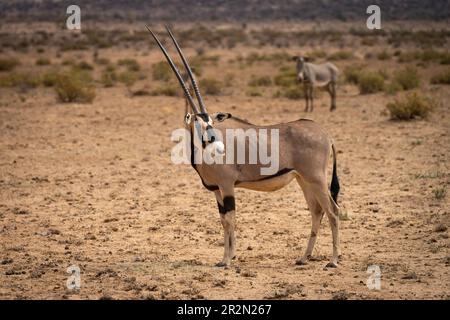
{"x":228,"y":205}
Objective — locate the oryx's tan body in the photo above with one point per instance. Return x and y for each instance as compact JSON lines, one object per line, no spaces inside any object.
{"x":304,"y":153}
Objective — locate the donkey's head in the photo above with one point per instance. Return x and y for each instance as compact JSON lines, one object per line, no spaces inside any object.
{"x":300,"y":60}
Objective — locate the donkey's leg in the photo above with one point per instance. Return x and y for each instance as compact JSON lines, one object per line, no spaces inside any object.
{"x":333,"y":95}
{"x":226,"y":203}
{"x":311,"y":97}
{"x":305,"y":92}
{"x":330,"y":207}
{"x":316,"y":219}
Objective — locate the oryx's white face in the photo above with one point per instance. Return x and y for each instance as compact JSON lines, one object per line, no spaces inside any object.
{"x":203,"y":124}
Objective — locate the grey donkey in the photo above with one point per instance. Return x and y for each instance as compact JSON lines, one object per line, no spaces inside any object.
{"x":316,"y":75}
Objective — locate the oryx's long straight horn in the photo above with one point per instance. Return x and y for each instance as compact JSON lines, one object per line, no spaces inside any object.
{"x":189,"y":71}
{"x":175,"y":70}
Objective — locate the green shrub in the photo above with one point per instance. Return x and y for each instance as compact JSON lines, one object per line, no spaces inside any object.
{"x":161,"y":71}
{"x":341,"y":55}
{"x":384,"y":55}
{"x":352,"y":74}
{"x":294,"y":93}
{"x":108,"y":78}
{"x":128,"y":77}
{"x":407,"y":78}
{"x":43,"y":62}
{"x":23,"y":80}
{"x":412,"y":106}
{"x":370,"y":82}
{"x":253,"y":92}
{"x":7,"y":64}
{"x":73,"y":87}
{"x":102,"y":61}
{"x":263,"y":81}
{"x":170,"y":90}
{"x":393,"y":88}
{"x":286,"y":78}
{"x":50,"y":78}
{"x":130,"y":64}
{"x":442,"y":78}
{"x":83,"y":65}
{"x":211,"y":86}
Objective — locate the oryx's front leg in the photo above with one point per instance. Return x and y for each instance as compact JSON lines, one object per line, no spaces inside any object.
{"x":226,"y":204}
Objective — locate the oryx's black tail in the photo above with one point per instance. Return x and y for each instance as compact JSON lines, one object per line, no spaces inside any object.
{"x":334,"y":188}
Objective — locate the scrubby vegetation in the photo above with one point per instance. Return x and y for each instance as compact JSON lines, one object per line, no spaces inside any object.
{"x":8,"y":64}
{"x":211,"y":86}
{"x":263,"y":81}
{"x":441,"y":78}
{"x":75,"y":87}
{"x":413,"y":105}
{"x":370,"y":82}
{"x":407,"y":78}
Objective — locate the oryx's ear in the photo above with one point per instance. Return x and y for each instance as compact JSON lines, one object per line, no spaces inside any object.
{"x":220,"y":116}
{"x":306,"y":59}
{"x":295,"y":58}
{"x":187,"y":118}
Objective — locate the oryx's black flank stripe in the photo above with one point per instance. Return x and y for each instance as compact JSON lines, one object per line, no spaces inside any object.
{"x":279,"y":173}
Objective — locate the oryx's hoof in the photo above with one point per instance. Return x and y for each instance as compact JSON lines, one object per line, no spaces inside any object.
{"x":222,"y":264}
{"x":301,"y":262}
{"x":331,"y":264}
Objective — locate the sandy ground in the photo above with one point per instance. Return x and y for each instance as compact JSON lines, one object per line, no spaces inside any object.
{"x":93,"y":186}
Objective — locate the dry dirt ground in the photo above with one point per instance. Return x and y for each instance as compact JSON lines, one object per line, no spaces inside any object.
{"x":92,"y":185}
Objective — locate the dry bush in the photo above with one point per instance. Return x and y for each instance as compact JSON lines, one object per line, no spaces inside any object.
{"x":43,"y":62}
{"x":50,"y":78}
{"x":211,"y":86}
{"x":254,"y":92}
{"x":128,"y":77}
{"x":161,"y":71}
{"x":286,"y":78}
{"x":75,"y":86}
{"x":442,"y":78}
{"x":407,"y":78}
{"x":108,"y":78}
{"x":7,"y":64}
{"x":293,"y":92}
{"x":20,"y":79}
{"x":414,"y":105}
{"x":263,"y":81}
{"x":384,"y":55}
{"x":130,"y":64}
{"x":83,"y":65}
{"x":170,"y":90}
{"x":341,"y":55}
{"x":370,"y":82}
{"x":352,"y":74}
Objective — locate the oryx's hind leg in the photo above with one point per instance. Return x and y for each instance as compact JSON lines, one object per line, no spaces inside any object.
{"x":330,"y":207}
{"x":316,"y":219}
{"x":227,"y":210}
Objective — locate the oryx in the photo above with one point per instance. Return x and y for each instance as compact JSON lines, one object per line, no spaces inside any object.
{"x":304,"y":152}
{"x":185,"y":77}
{"x":316,"y":75}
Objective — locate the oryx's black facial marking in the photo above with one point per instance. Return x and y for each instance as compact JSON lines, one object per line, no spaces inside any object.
{"x":203,"y":116}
